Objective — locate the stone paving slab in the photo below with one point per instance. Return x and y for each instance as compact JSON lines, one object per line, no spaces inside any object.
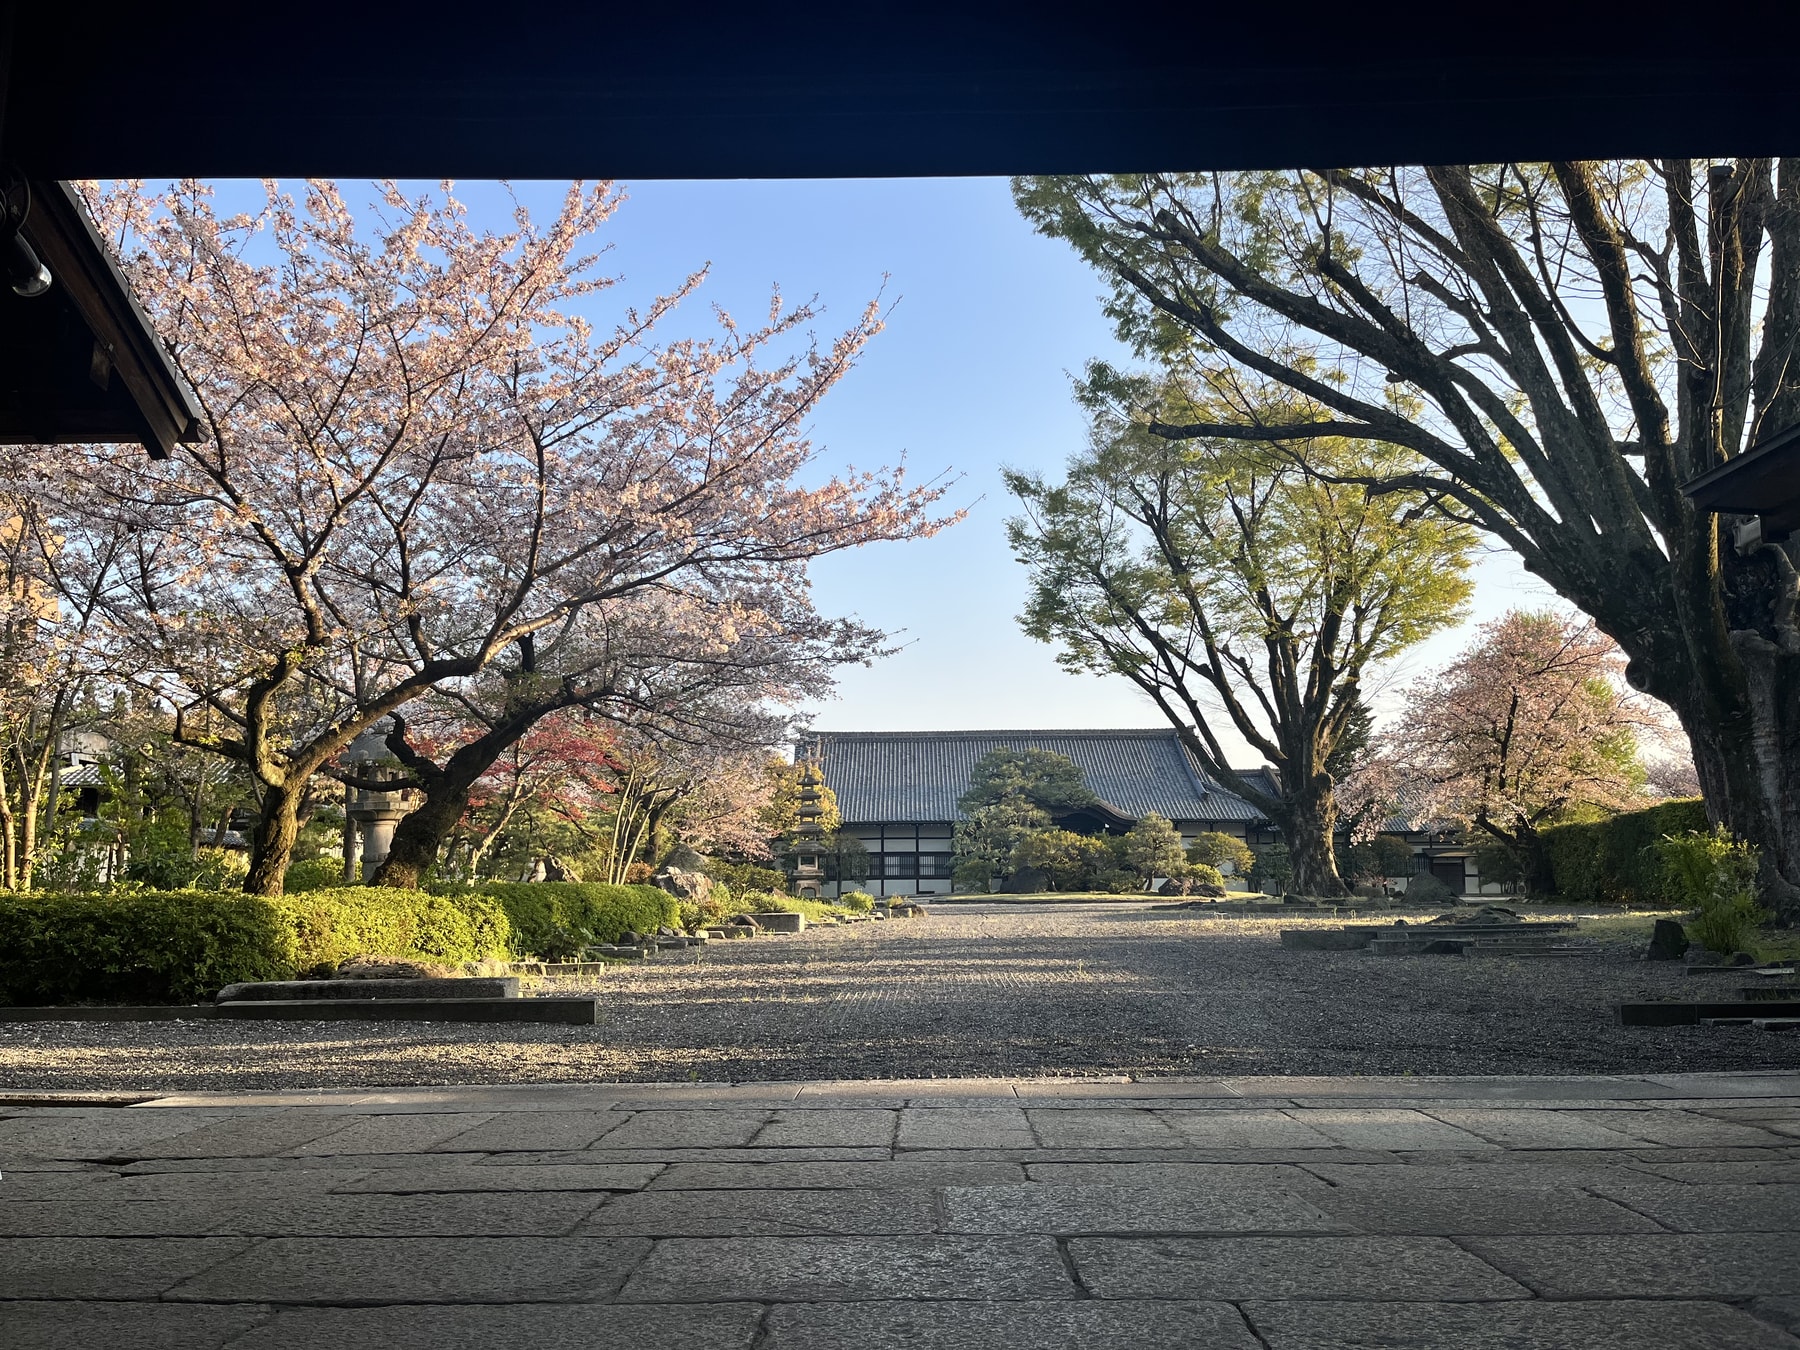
{"x":767,"y":1213}
{"x":836,"y":1269}
{"x":748,"y":1154}
{"x":107,"y":1268}
{"x":1248,"y":1128}
{"x":812,"y":1175}
{"x":1238,"y":1268}
{"x":1779,"y":1171}
{"x":504,"y":1215}
{"x":581,"y":1326}
{"x":1390,"y":1129}
{"x":1769,"y":1208}
{"x":661,"y":1129}
{"x":1679,"y":1128}
{"x":1601,"y":1212}
{"x":291,"y":1163}
{"x":1661,"y":1325}
{"x":391,"y":1134}
{"x":956,"y":1127}
{"x":1007,"y":1326}
{"x":1064,"y":1209}
{"x":828,"y":1127}
{"x":65,"y":1325}
{"x":1781,"y":1312}
{"x":350,"y":1271}
{"x":528,"y":1131}
{"x":1535,"y":1129}
{"x":1445,"y":1212}
{"x":1645,"y":1265}
{"x":1495,"y":1177}
{"x":504,"y":1177}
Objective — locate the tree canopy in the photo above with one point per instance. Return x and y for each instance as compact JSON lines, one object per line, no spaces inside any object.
{"x":1241,"y":589}
{"x":1559,"y":347}
{"x":1039,"y":778}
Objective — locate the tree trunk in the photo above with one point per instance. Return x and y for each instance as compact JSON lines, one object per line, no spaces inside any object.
{"x":272,"y":845}
{"x":421,"y":833}
{"x":1308,"y":825}
{"x":1749,"y":761}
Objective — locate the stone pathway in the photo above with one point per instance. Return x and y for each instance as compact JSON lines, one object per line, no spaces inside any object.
{"x":1609,"y":1213}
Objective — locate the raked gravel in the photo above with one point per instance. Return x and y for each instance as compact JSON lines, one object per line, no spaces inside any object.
{"x":1001,"y":990}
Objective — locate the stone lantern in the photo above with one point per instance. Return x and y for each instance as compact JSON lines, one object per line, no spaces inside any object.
{"x":370,"y":815}
{"x":808,"y":835}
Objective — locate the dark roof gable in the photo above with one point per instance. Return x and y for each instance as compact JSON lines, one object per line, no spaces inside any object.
{"x":898,"y":777}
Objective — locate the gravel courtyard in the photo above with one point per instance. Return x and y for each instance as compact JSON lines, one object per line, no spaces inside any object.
{"x":1000,"y":990}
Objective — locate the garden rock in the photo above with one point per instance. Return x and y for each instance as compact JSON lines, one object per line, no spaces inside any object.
{"x":392,"y":968}
{"x":686,"y":858}
{"x":684,"y":884}
{"x":1668,"y":941}
{"x":746,"y":921}
{"x":555,"y":869}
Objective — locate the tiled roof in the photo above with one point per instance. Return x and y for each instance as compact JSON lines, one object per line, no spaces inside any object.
{"x":899,"y":777}
{"x":81,"y":775}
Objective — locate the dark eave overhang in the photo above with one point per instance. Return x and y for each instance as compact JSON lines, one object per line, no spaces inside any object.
{"x":81,"y":361}
{"x":1764,"y":481}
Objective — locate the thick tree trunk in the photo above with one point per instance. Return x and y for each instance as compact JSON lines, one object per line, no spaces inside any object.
{"x":421,"y":834}
{"x":1749,"y":761}
{"x":1308,"y":825}
{"x":272,"y":846}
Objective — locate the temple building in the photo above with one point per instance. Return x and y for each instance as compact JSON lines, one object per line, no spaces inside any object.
{"x":897,"y":792}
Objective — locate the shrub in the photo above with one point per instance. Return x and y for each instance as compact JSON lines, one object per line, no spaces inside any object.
{"x":330,"y":924}
{"x":746,"y":876}
{"x":142,"y":947}
{"x":1202,"y":874}
{"x":1615,"y":861}
{"x":1424,"y":889}
{"x":761,"y":901}
{"x":1718,"y":874}
{"x":176,"y":946}
{"x":312,"y":874}
{"x":547,"y":916}
{"x":1215,"y":848}
{"x":857,"y":902}
{"x":638,"y":873}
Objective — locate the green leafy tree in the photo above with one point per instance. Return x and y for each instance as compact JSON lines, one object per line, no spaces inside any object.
{"x":1152,"y":848}
{"x":1041,"y":778}
{"x":1274,"y":869}
{"x":984,"y":842}
{"x":1244,"y":593}
{"x":1369,"y":862}
{"x":1071,"y":861}
{"x":1215,"y":848}
{"x":1558,"y":347}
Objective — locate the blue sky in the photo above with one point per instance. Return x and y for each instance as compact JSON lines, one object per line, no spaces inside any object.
{"x":972,"y":373}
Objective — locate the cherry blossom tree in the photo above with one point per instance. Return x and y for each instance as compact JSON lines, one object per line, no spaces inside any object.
{"x":682,"y":667}
{"x":416,"y":456}
{"x":1533,"y":720}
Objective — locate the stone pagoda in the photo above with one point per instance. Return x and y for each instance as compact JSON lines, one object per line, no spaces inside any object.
{"x":809,"y":835}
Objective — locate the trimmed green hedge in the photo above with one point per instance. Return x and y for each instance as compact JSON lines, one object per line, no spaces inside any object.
{"x":328,"y":925}
{"x":543,"y":914}
{"x":178,"y":946}
{"x":1613,"y":861}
